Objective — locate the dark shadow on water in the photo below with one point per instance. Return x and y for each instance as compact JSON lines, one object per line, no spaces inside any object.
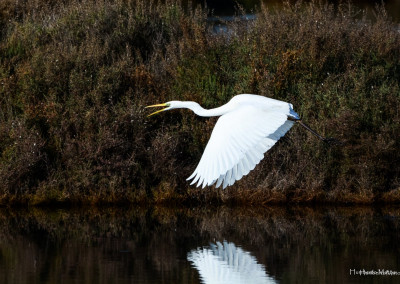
{"x":230,"y":7}
{"x":194,"y":245}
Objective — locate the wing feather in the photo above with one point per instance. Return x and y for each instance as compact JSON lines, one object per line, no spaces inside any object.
{"x":237,"y":144}
{"x":220,"y":180}
{"x":227,"y":178}
{"x":234,"y":174}
{"x":240,"y":170}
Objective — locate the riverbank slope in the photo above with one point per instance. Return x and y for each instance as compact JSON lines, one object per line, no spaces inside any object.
{"x":75,"y":77}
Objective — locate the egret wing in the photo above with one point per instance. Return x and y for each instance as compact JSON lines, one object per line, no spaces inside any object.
{"x":238,"y":143}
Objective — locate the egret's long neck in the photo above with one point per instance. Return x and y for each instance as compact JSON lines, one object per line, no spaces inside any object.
{"x":197,"y":109}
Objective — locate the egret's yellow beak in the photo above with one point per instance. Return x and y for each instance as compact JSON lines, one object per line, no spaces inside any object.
{"x":158,"y":111}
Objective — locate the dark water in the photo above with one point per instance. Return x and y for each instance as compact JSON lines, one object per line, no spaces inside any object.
{"x":200,"y":245}
{"x":229,"y":7}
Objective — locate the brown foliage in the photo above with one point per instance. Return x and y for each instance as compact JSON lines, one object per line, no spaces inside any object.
{"x":75,"y":77}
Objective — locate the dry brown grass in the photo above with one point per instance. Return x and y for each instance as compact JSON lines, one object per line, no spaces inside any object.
{"x":75,"y":76}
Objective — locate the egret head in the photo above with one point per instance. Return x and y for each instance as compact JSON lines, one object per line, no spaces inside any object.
{"x":172,"y":105}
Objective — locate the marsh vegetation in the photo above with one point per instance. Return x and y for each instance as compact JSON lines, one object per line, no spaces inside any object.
{"x":75,"y":77}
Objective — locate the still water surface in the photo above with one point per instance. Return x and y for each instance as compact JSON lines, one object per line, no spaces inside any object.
{"x":199,"y":245}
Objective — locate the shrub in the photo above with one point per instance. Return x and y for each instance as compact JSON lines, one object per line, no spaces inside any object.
{"x":75,"y":77}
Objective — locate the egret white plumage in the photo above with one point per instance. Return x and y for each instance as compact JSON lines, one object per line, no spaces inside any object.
{"x":227,"y":263}
{"x":249,"y":125}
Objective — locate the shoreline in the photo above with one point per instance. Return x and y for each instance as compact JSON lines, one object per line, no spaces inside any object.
{"x":217,"y":198}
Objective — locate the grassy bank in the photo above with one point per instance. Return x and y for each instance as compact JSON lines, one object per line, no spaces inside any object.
{"x":75,"y":77}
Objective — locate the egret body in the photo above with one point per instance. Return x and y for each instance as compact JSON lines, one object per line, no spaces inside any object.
{"x":249,"y":125}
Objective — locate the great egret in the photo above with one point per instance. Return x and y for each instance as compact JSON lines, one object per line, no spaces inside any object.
{"x":248,"y":127}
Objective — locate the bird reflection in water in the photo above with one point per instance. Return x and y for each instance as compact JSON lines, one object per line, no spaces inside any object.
{"x":227,"y":263}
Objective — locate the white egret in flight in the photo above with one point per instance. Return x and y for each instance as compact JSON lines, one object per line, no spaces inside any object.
{"x":248,"y":127}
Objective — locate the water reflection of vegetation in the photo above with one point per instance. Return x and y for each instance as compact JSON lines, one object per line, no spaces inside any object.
{"x":292,"y":243}
{"x":84,"y":244}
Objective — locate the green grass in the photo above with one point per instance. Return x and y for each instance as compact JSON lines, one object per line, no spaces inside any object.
{"x":75,"y":77}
